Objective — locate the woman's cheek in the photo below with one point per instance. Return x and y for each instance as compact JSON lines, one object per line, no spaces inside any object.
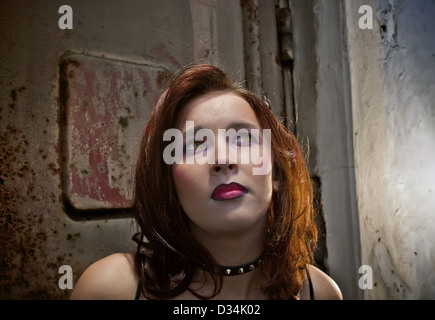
{"x":261,"y":161}
{"x":187,"y":182}
{"x":181,"y":176}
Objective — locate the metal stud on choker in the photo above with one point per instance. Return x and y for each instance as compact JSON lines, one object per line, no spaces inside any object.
{"x":241,"y":269}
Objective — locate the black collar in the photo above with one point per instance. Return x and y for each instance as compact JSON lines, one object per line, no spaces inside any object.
{"x":241,"y":269}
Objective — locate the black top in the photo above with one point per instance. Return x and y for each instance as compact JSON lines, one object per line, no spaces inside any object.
{"x":138,"y":290}
{"x":310,"y":283}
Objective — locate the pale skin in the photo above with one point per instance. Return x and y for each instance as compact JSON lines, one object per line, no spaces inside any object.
{"x":232,"y":230}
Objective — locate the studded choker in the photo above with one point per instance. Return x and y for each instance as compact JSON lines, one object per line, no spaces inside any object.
{"x":241,"y":269}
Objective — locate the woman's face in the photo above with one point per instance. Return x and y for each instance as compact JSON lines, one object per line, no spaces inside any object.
{"x":224,"y":197}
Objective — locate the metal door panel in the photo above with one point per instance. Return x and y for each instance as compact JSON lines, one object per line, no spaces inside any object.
{"x":104,"y":104}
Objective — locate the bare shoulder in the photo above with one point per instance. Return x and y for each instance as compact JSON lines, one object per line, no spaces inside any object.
{"x":112,"y":277}
{"x":324,"y":286}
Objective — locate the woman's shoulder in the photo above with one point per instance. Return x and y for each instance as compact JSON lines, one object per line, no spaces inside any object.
{"x":323,"y":286}
{"x":112,"y":277}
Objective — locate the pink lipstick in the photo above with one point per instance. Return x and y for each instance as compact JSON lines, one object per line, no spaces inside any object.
{"x":228,"y":191}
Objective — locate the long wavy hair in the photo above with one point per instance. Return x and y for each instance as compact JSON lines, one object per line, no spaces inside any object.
{"x":167,"y":254}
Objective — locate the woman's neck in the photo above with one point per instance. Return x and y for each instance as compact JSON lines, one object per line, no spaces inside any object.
{"x":236,"y":248}
{"x":233,"y":250}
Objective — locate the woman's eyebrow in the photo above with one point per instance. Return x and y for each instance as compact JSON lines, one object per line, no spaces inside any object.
{"x":233,"y":125}
{"x":242,"y":125}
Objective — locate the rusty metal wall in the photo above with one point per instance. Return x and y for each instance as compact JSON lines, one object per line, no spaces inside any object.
{"x":72,"y":105}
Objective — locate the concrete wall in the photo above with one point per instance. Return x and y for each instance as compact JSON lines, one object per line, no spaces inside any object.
{"x":392,"y":68}
{"x":324,"y":121}
{"x":364,"y":101}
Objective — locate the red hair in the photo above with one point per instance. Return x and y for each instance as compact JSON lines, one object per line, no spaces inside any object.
{"x":167,"y":250}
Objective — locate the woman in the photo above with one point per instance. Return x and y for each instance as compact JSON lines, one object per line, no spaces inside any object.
{"x":215,"y":229}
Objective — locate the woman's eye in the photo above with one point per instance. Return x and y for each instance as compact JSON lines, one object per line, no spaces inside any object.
{"x":244,"y":139}
{"x":196,"y":146}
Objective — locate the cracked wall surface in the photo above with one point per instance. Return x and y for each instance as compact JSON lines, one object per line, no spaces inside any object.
{"x":392,"y":71}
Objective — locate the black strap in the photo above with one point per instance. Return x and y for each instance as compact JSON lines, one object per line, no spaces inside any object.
{"x":310,"y":283}
{"x":138,"y":291}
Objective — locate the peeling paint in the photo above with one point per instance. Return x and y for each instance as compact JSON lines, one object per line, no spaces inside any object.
{"x":103,"y":118}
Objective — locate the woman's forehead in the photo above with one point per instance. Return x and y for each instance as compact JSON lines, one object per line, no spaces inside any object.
{"x":217,"y":110}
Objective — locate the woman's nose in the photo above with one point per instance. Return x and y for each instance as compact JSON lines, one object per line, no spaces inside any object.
{"x":224,"y":159}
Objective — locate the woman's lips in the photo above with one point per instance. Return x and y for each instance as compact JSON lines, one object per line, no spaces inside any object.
{"x":228,"y":191}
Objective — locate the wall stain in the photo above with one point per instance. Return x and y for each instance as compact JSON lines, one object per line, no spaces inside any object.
{"x":18,"y":244}
{"x":24,"y":233}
